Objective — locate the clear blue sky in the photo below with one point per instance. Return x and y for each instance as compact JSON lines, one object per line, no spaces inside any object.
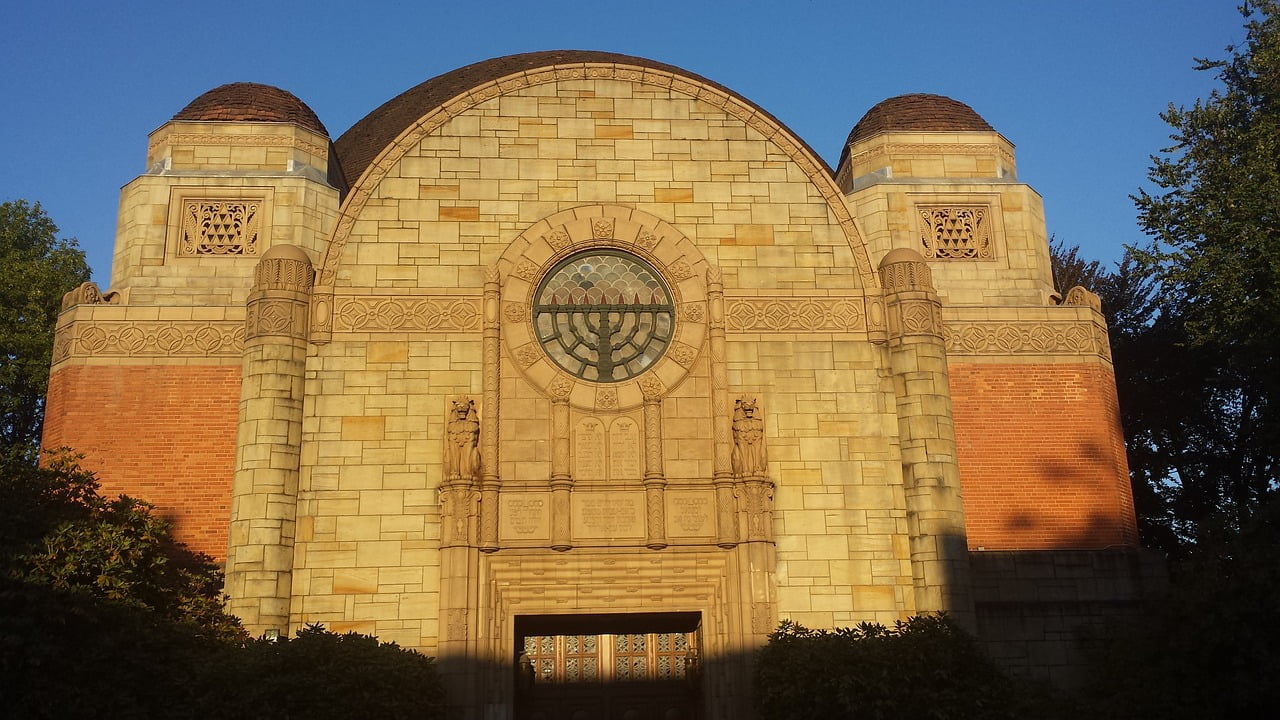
{"x":1076,"y":85}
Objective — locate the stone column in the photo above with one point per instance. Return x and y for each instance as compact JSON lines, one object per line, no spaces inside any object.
{"x":561,"y":475}
{"x":655,"y":478}
{"x":930,"y":472}
{"x":265,"y":490}
{"x":722,"y":462}
{"x":490,"y":483}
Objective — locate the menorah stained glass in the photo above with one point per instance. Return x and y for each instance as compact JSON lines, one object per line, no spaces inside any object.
{"x":604,"y":316}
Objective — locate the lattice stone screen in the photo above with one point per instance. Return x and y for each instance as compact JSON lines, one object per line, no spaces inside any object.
{"x":219,"y":227}
{"x":955,"y":233}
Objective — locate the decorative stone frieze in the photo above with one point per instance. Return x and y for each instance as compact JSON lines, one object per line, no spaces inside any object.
{"x":157,"y":339}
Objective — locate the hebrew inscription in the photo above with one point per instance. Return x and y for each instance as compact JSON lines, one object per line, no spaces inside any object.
{"x":614,"y":515}
{"x":525,"y":516}
{"x":691,"y":513}
{"x":588,"y":450}
{"x":624,"y":450}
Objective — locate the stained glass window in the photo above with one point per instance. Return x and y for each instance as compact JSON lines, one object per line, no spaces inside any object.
{"x":604,"y":316}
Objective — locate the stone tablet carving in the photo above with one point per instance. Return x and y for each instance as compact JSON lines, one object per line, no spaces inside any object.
{"x":691,"y":513}
{"x":624,"y":450}
{"x":588,"y":450}
{"x":608,"y":516}
{"x":525,"y":516}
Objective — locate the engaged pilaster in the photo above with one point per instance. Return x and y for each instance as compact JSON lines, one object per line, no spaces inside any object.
{"x":930,"y":473}
{"x":264,"y":493}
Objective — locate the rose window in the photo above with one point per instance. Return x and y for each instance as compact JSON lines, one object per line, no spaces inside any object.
{"x":603,"y":316}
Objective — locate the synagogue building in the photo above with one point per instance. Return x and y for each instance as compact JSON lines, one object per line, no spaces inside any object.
{"x":581,"y":372}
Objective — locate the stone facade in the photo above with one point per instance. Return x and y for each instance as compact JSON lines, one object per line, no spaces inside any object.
{"x":338,"y":367}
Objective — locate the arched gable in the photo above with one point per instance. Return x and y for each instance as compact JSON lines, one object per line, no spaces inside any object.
{"x":404,"y":122}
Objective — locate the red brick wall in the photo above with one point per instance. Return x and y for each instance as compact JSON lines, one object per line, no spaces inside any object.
{"x":165,"y":434}
{"x":1042,"y":460}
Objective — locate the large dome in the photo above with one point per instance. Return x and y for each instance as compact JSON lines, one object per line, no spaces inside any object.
{"x":918,"y":112}
{"x":251,"y":102}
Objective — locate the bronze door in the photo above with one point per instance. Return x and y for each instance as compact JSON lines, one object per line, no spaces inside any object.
{"x":608,"y":675}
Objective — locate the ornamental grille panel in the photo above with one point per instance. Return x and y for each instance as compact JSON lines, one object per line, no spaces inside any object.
{"x":603,"y":316}
{"x":219,"y":227}
{"x":633,"y":657}
{"x":955,"y":233}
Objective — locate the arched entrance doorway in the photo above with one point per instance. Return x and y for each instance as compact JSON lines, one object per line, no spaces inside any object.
{"x":616,"y":666}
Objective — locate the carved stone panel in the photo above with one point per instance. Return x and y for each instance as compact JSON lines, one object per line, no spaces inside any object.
{"x":955,"y":233}
{"x":220,"y":227}
{"x":608,"y":516}
{"x":624,"y":450}
{"x":691,"y":514}
{"x":525,"y":517}
{"x":589,"y":449}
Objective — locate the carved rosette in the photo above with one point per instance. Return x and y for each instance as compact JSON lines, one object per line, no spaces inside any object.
{"x":539,"y":255}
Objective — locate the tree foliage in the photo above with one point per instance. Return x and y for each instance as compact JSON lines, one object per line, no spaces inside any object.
{"x":104,"y":615}
{"x":1209,"y":649}
{"x":63,"y":533}
{"x":1214,"y":220}
{"x":36,"y":269}
{"x":1194,"y":320}
{"x":69,"y":656}
{"x":925,"y":667}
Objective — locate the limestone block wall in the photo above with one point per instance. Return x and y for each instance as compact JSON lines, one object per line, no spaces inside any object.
{"x":1005,"y":261}
{"x":405,"y":273}
{"x":275,"y":176}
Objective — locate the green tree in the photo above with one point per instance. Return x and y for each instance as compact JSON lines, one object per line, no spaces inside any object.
{"x":1214,"y":217}
{"x":924,"y":667}
{"x":36,"y":269}
{"x":61,"y":533}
